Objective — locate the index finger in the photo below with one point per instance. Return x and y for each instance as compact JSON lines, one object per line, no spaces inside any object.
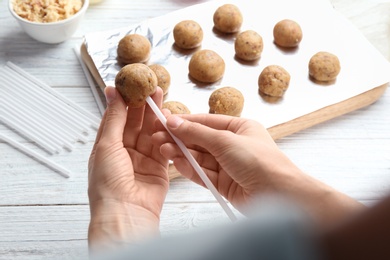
{"x":114,"y":119}
{"x":215,"y":121}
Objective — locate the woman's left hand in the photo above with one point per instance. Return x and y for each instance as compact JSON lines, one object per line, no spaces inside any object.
{"x":128,"y":177}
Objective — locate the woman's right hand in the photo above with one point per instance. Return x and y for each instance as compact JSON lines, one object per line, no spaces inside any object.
{"x":238,"y":155}
{"x":243,"y":161}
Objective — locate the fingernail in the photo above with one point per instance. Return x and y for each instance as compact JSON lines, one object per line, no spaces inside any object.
{"x":174,"y":121}
{"x":110,"y":93}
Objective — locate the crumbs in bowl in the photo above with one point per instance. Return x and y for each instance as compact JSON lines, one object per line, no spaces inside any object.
{"x":46,"y":11}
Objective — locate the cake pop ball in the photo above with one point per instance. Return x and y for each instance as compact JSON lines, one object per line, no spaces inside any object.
{"x":135,"y":82}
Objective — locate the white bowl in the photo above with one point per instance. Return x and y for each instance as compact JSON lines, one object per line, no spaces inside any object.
{"x":54,"y":32}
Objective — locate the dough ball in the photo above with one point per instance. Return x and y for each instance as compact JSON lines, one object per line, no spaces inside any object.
{"x":133,"y":48}
{"x":287,"y":33}
{"x":206,"y":66}
{"x":226,"y":101}
{"x":324,"y":66}
{"x":188,"y":34}
{"x":135,"y":82}
{"x":274,"y":80}
{"x":228,"y":18}
{"x":248,"y":45}
{"x":176,"y":107}
{"x":163,"y":77}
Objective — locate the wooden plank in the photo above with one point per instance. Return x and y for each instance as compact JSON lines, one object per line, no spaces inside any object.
{"x":39,"y":250}
{"x":53,"y":232}
{"x":70,"y":222}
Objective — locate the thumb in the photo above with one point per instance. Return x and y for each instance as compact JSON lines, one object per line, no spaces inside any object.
{"x":192,"y":132}
{"x":114,"y":120}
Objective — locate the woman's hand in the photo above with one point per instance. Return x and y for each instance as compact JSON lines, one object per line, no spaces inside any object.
{"x":128,"y":177}
{"x":243,"y":161}
{"x":239,"y":156}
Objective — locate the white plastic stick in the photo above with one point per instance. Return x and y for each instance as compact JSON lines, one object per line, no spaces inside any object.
{"x":94,"y":120}
{"x":54,"y":116}
{"x":26,"y":113}
{"x":90,"y":82}
{"x":192,"y":161}
{"x":48,"y":104}
{"x":37,"y":129}
{"x":59,"y":169}
{"x":26,"y":133}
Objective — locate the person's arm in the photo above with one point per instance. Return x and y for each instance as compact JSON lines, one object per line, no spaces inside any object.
{"x":325,"y":204}
{"x":366,"y":236}
{"x":116,"y":224}
{"x":279,"y":230}
{"x":127,"y":177}
{"x":243,"y":161}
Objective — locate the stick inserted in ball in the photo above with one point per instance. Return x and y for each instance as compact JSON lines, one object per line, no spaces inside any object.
{"x":192,"y":160}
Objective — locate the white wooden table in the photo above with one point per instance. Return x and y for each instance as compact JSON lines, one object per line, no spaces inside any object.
{"x":44,"y":216}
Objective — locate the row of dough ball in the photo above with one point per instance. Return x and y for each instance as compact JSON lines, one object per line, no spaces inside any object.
{"x":136,"y":81}
{"x":228,"y":19}
{"x":207,"y":66}
{"x":274,"y":80}
{"x":188,"y":34}
{"x":248,"y":45}
{"x":225,"y":100}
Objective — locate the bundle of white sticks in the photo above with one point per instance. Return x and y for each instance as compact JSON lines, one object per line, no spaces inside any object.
{"x":42,"y":115}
